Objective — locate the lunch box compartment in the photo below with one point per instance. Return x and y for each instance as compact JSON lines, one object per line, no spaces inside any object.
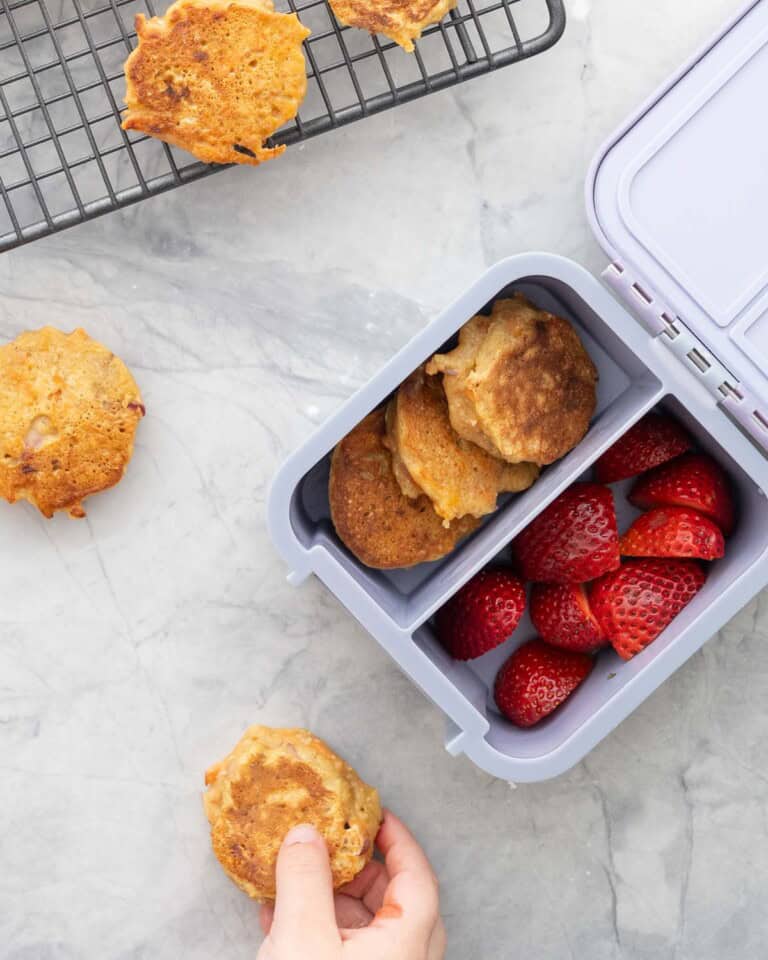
{"x":625,"y":391}
{"x":474,"y":679}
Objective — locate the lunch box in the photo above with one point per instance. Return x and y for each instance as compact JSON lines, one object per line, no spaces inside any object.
{"x":678,"y":198}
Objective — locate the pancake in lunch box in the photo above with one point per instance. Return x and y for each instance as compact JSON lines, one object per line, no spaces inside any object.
{"x":68,"y":413}
{"x":381,"y":525}
{"x":216,"y":78}
{"x":520,"y":383}
{"x":400,"y":20}
{"x":274,"y":780}
{"x":459,"y":477}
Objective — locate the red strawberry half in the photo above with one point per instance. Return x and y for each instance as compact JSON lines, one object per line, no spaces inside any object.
{"x":562,"y":616}
{"x":636,"y":602}
{"x":651,"y":441}
{"x":673,"y":532}
{"x":536,"y":679}
{"x":574,"y":540}
{"x":481,"y":615}
{"x":693,"y":480}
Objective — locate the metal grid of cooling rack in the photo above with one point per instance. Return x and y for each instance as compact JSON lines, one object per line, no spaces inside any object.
{"x":65,"y":159}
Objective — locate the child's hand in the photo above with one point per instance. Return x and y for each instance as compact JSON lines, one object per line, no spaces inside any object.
{"x":389,"y":912}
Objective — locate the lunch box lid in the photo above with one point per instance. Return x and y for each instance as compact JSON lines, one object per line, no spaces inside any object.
{"x":678,"y":197}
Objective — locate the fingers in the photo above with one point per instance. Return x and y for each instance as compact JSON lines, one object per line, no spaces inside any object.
{"x":412,"y":894}
{"x":351,"y":913}
{"x":402,"y":854}
{"x":304,"y":910}
{"x":400,"y":898}
{"x":266,"y":916}
{"x":369,"y":886}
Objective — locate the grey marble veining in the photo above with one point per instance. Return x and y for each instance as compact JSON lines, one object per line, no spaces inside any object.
{"x":135,"y":646}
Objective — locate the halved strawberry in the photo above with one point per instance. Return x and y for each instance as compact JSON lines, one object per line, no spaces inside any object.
{"x":673,"y":532}
{"x":694,"y":480}
{"x":536,"y":679}
{"x":653,"y":440}
{"x":637,"y":601}
{"x":481,"y":615}
{"x":561,"y":614}
{"x":573,"y":540}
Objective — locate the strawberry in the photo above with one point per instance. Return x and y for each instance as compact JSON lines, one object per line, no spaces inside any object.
{"x":636,"y":602}
{"x":673,"y":532}
{"x":561,"y":615}
{"x":573,"y":540}
{"x":693,"y":480}
{"x":481,"y":615}
{"x":536,"y":679}
{"x":651,"y":441}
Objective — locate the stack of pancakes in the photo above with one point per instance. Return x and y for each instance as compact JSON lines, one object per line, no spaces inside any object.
{"x":416,"y":476}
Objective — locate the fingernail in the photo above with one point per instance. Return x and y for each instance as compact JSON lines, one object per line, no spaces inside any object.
{"x":304,"y":833}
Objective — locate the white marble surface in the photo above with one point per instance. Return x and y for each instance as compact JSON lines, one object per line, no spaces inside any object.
{"x":136,"y":645}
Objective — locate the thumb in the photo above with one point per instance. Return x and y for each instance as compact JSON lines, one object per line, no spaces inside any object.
{"x":304,"y":911}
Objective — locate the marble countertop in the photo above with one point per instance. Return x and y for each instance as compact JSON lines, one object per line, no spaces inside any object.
{"x":136,"y":645}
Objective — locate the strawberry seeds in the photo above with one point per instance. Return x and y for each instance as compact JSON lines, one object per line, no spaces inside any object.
{"x":590,"y":586}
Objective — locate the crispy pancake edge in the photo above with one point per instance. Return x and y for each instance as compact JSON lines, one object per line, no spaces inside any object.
{"x":274,"y":779}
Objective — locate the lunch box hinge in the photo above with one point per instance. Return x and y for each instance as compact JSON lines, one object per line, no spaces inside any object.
{"x":642,"y":301}
{"x":660,"y":321}
{"x":733,"y":398}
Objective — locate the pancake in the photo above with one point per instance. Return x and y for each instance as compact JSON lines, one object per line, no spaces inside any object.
{"x":216,"y":78}
{"x":400,"y":20}
{"x":377,"y":522}
{"x":520,"y":383}
{"x":459,"y":477}
{"x":68,"y":414}
{"x":274,"y":780}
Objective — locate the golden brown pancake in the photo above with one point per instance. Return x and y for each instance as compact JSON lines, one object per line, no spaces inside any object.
{"x":459,"y":477}
{"x":274,"y":780}
{"x":216,"y":78}
{"x":520,"y":383}
{"x":68,"y":413}
{"x":400,"y":20}
{"x":381,"y":525}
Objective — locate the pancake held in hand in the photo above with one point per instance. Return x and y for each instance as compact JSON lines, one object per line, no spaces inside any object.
{"x":275,"y":780}
{"x":216,"y":78}
{"x":400,"y":20}
{"x":381,"y":525}
{"x":68,"y":413}
{"x":459,"y":477}
{"x":520,"y":383}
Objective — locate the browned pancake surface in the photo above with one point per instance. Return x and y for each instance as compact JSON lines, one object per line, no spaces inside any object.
{"x":68,"y":413}
{"x":400,"y":20}
{"x":274,"y":780}
{"x":458,"y":476}
{"x":381,"y":525}
{"x":520,"y":384}
{"x":216,"y":78}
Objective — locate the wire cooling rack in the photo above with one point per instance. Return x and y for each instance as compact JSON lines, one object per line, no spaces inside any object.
{"x":64,"y":158}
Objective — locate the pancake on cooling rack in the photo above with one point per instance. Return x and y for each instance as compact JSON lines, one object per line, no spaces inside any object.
{"x":68,"y":413}
{"x":520,"y":383}
{"x":429,"y":457}
{"x":400,"y":20}
{"x":274,"y":780}
{"x":217,"y":78}
{"x":382,"y":526}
